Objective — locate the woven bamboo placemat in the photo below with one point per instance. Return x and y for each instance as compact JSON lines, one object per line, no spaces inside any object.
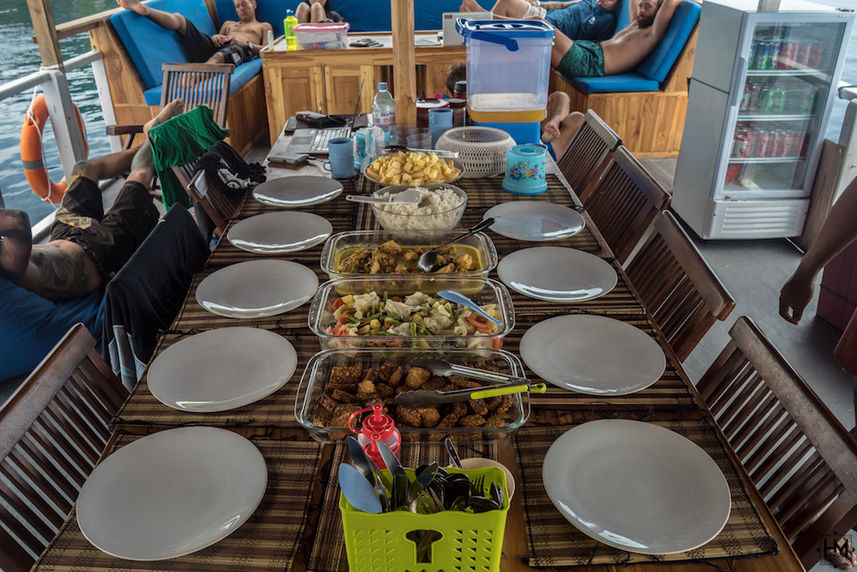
{"x":275,"y":410}
{"x":267,"y":541}
{"x":328,"y":552}
{"x":553,"y":541}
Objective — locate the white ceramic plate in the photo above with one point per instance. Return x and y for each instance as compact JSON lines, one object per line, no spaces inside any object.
{"x":556,"y":274}
{"x":297,"y":191}
{"x":534,"y":220}
{"x":636,"y":486}
{"x":592,"y":354}
{"x":279,"y":232}
{"x":172,"y":493}
{"x":221,"y":369}
{"x":257,"y":288}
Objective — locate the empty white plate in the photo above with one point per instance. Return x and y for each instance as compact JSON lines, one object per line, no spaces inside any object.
{"x":171,"y":493}
{"x":221,"y":369}
{"x":297,"y":191}
{"x":534,"y":220}
{"x":257,"y":288}
{"x":556,"y":274}
{"x":636,"y":486}
{"x":592,"y":354}
{"x":279,"y":232}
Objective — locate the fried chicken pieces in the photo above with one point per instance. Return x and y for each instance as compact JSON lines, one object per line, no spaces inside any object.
{"x":350,"y":388}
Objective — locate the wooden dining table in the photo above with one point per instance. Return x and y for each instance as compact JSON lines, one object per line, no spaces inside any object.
{"x":298,"y":526}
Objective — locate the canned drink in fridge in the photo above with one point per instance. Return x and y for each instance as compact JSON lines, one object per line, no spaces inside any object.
{"x":773,"y":56}
{"x":733,"y":171}
{"x":792,"y":146}
{"x":804,"y":52}
{"x":741,"y":143}
{"x":762,"y":142}
{"x":744,"y":104}
{"x":799,"y":144}
{"x":807,"y":101}
{"x":780,"y":142}
{"x":776,"y":100}
{"x":754,"y":90}
{"x":788,"y":51}
{"x":816,"y":54}
{"x":751,"y":61}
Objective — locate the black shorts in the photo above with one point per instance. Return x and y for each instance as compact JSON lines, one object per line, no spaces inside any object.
{"x":199,"y":47}
{"x":108,"y":239}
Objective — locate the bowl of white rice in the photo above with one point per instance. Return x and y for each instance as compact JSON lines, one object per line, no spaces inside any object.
{"x":439,"y":209}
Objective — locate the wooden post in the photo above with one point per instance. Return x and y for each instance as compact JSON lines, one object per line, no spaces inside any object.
{"x":46,"y":32}
{"x":404,"y":61}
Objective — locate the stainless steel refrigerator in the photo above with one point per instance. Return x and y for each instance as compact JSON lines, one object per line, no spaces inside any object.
{"x":759,"y":99}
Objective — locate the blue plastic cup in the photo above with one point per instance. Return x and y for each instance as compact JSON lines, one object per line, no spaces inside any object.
{"x":341,"y":155}
{"x":440,"y":120}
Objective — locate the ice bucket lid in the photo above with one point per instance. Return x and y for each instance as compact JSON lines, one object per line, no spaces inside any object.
{"x":504,"y":28}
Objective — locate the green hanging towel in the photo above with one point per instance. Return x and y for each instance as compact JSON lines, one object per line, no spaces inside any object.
{"x":180,"y":140}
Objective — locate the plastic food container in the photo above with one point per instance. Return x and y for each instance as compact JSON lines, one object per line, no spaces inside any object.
{"x":341,"y":245}
{"x":313,"y":387}
{"x":508,"y":67}
{"x":481,"y":290}
{"x":479,"y":535}
{"x":397,"y":218}
{"x":322,"y":35}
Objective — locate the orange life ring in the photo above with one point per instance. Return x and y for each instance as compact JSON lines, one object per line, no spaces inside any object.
{"x":31,"y":150}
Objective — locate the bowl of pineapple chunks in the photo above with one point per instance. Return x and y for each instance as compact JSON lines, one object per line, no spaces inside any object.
{"x":413,"y":168}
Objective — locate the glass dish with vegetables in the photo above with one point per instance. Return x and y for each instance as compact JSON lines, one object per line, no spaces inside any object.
{"x":379,"y":253}
{"x":363,"y":312}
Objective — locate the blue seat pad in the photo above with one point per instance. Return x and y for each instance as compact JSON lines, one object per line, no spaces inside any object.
{"x":240,"y":76}
{"x":614,"y":83}
{"x":148,"y":45}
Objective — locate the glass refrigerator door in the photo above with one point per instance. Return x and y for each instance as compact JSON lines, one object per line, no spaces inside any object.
{"x":782,"y":108}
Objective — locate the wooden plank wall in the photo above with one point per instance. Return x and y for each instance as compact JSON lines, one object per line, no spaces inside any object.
{"x":650,"y":122}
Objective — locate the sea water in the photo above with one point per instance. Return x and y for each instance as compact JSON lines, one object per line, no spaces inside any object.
{"x":21,"y":57}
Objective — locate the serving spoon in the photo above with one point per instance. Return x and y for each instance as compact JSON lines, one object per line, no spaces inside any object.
{"x":463,"y":300}
{"x":406,"y":196}
{"x":428,"y":259}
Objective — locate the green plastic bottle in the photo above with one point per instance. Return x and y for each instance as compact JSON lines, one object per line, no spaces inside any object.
{"x":288,"y":26}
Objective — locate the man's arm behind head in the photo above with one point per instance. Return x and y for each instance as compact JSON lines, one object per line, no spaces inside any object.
{"x":663,"y":17}
{"x":16,"y":242}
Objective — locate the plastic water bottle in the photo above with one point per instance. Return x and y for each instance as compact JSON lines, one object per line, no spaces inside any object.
{"x":383,"y":108}
{"x":288,"y":26}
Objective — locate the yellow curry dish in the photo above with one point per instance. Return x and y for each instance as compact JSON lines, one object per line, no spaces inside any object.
{"x":394,"y":258}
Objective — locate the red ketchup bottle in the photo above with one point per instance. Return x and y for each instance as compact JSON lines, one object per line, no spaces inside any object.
{"x":377,"y":427}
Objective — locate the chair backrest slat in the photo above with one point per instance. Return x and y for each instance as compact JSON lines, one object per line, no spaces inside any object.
{"x":796,"y":452}
{"x":677,"y":286}
{"x":198,"y":84}
{"x":588,"y":152}
{"x":52,"y":433}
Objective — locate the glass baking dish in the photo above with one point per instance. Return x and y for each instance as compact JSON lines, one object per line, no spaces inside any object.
{"x":323,"y":316}
{"x":324,"y":427}
{"x":343,"y":243}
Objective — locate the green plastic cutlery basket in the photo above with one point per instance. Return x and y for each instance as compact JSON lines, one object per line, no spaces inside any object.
{"x":469,"y":542}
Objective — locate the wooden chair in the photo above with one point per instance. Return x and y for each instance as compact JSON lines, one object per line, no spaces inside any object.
{"x":194,"y":84}
{"x":219,"y":205}
{"x":52,"y":432}
{"x":623,"y":202}
{"x":588,"y":152}
{"x":801,"y":459}
{"x":677,"y":286}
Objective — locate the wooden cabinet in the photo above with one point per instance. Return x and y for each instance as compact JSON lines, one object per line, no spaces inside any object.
{"x":327,"y":81}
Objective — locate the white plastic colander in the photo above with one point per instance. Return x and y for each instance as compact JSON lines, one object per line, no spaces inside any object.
{"x":481,"y":150}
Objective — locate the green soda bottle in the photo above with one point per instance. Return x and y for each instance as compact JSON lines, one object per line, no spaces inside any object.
{"x":288,"y":26}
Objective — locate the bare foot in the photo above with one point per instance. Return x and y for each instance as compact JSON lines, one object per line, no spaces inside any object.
{"x":173,"y":108}
{"x":470,"y":6}
{"x":842,"y":556}
{"x":134,"y":5}
{"x":550,"y":131}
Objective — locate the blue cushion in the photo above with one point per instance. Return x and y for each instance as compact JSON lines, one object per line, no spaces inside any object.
{"x":240,"y":76}
{"x":30,"y":326}
{"x":660,"y":62}
{"x":362,"y":15}
{"x":614,"y":83}
{"x":148,"y":45}
{"x":622,"y":17}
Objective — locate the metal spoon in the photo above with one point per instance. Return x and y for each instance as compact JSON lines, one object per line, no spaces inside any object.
{"x":428,"y":260}
{"x":443,"y":368}
{"x":460,"y":298}
{"x":406,"y":196}
{"x":453,"y":452}
{"x":430,"y":397}
{"x":360,"y":460}
{"x":439,"y":152}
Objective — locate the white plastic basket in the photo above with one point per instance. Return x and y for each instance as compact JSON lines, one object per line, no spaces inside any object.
{"x":481,"y":150}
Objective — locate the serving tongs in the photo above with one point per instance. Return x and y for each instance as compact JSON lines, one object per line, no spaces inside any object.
{"x":442,"y":153}
{"x":427,"y":397}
